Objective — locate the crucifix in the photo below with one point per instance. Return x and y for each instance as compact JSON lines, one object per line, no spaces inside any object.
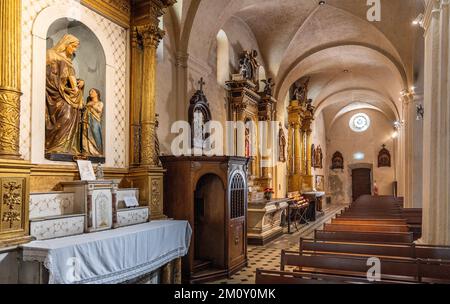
{"x":201,"y":83}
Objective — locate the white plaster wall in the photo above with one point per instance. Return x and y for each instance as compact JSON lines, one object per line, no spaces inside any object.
{"x":319,"y":139}
{"x":341,"y":138}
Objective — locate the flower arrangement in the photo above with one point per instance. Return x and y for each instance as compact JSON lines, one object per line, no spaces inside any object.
{"x":268,"y":192}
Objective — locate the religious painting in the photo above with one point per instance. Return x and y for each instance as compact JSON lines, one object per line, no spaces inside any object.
{"x":320,"y":183}
{"x":384,"y":158}
{"x":199,"y":116}
{"x":337,"y":161}
{"x":75,"y":80}
{"x":282,"y":145}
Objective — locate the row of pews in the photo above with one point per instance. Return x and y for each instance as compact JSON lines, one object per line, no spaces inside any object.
{"x":343,"y":252}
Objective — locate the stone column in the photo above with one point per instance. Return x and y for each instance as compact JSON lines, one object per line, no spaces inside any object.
{"x":436,"y":141}
{"x":14,"y":172}
{"x":408,"y":147}
{"x":10,"y":56}
{"x":151,"y":36}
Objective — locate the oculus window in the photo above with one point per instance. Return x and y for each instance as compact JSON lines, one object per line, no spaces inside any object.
{"x":360,"y":122}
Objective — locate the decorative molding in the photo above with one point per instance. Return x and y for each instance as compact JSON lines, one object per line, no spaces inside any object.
{"x":118,"y":11}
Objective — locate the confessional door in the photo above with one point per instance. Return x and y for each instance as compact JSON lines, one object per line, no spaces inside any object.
{"x":237,"y":240}
{"x":361,"y":182}
{"x":209,"y":223}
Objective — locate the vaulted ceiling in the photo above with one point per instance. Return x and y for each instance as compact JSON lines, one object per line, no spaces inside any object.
{"x":349,"y":59}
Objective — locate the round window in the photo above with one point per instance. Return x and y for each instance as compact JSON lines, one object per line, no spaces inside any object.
{"x":360,"y":122}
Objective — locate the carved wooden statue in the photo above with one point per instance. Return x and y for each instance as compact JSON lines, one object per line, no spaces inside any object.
{"x":64,"y":99}
{"x":282,"y":145}
{"x":93,"y":130}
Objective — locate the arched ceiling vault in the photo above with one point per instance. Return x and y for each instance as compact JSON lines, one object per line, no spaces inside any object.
{"x":300,"y":38}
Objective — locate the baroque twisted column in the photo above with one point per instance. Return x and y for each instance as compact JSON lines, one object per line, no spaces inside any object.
{"x":10,"y":56}
{"x":436,"y":141}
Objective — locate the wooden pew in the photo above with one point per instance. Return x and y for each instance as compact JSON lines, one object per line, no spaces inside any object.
{"x":366,"y":228}
{"x":423,"y":252}
{"x":367,"y":237}
{"x":369,"y":221}
{"x":400,"y":270}
{"x":270,"y":277}
{"x":391,"y":269}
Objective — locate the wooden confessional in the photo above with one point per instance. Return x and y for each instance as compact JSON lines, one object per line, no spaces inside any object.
{"x":211,"y":193}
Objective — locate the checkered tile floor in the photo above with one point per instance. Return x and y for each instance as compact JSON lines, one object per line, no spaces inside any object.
{"x":268,"y":257}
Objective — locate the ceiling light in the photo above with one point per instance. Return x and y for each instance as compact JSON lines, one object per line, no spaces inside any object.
{"x":395,"y":135}
{"x":321,"y":2}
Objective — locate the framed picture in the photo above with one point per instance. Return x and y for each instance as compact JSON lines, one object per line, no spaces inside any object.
{"x":320,"y":183}
{"x":86,"y":170}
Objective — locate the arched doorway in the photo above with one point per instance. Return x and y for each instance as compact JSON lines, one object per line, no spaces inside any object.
{"x":209,"y":223}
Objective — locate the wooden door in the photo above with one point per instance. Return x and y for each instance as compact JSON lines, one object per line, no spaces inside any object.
{"x":361,"y":183}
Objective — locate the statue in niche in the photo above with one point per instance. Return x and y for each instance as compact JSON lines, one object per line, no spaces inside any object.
{"x":247,"y":142}
{"x":282,"y":145}
{"x":64,"y":99}
{"x":313,"y":156}
{"x":318,"y":158}
{"x":268,"y":89}
{"x":92,"y":129}
{"x":199,"y":116}
{"x":301,"y":91}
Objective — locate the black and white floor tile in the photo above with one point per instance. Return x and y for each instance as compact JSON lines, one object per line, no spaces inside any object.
{"x":268,"y":256}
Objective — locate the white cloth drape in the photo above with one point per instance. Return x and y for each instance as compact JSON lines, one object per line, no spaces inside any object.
{"x":112,"y":256}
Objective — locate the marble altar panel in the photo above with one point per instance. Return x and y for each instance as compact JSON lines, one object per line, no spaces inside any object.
{"x":51,"y":204}
{"x":58,"y":227}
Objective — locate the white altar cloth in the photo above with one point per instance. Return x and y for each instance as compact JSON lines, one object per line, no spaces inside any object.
{"x":112,"y":256}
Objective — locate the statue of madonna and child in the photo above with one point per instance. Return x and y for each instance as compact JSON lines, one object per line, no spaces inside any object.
{"x":73,"y":127}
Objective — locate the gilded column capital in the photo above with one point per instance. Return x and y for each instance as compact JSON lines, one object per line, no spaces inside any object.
{"x":150,"y":34}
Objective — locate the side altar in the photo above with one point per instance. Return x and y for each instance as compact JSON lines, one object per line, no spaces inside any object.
{"x":264,"y":220}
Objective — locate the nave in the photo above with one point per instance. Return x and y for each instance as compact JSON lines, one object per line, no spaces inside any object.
{"x":268,"y":256}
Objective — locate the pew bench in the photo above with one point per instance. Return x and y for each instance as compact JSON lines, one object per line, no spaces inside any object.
{"x":364,"y":237}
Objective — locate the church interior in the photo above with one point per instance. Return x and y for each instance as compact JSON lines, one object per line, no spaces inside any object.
{"x":224,"y":141}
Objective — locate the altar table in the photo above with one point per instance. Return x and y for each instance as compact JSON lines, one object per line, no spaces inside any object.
{"x":112,"y":256}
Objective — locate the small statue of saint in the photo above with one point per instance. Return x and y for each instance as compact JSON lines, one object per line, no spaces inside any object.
{"x":64,"y":99}
{"x":247,"y":143}
{"x":93,"y":131}
{"x":100,"y":175}
{"x":268,"y":89}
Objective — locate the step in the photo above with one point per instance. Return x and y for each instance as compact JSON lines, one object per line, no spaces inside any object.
{"x":48,"y":204}
{"x":200,"y":265}
{"x":57,"y":226}
{"x":132,"y":216}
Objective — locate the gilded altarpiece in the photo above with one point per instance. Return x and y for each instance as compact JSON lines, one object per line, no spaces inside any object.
{"x":246,"y":104}
{"x":301,"y":116}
